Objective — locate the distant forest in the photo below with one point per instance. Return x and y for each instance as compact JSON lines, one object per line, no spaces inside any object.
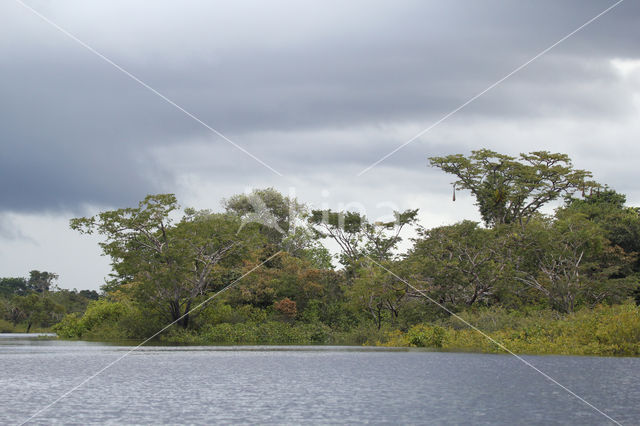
{"x":36,"y":300}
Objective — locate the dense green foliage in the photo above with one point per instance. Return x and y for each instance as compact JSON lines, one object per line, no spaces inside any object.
{"x":558,"y":283}
{"x":36,"y":303}
{"x":509,"y":190}
{"x":603,"y":330}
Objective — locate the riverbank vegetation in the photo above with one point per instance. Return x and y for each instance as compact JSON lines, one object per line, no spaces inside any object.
{"x":35,"y":303}
{"x":603,"y":330}
{"x":538,"y":283}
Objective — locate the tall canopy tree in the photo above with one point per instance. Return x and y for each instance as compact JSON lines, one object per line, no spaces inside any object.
{"x":357,"y":237}
{"x":35,"y":309}
{"x":156,"y":260}
{"x":275,"y":213}
{"x":460,"y":265}
{"x":41,"y":281}
{"x":382,"y":238}
{"x":346,"y":229}
{"x":570,"y":261}
{"x":370,"y":288}
{"x":282,"y":220}
{"x":10,"y":286}
{"x":607,"y":209}
{"x":381,"y":294}
{"x":512,"y":190}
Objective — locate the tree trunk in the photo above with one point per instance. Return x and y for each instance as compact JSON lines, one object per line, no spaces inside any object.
{"x":174,"y":308}
{"x":184,"y":322}
{"x":473,"y":299}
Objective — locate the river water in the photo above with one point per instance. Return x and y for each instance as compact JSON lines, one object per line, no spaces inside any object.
{"x":293,"y":385}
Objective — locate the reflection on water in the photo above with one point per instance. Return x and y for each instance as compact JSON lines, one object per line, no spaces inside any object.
{"x":22,"y":336}
{"x":317,"y":384}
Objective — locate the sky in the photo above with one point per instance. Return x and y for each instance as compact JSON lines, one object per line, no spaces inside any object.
{"x":102,"y":103}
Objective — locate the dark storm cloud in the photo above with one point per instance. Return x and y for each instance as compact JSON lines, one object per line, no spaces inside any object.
{"x":74,"y":130}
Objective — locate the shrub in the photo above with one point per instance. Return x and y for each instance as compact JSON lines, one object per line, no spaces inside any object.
{"x":604,"y":330}
{"x":107,"y":320}
{"x":426,"y":336}
{"x":71,"y":327}
{"x":218,"y":313}
{"x":362,"y":334}
{"x":100,"y":312}
{"x":264,"y":333}
{"x":6,"y":327}
{"x":317,"y":333}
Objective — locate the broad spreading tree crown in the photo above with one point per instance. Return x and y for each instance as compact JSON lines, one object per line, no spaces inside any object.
{"x":509,"y":189}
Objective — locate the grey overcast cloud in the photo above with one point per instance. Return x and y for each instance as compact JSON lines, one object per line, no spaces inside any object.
{"x":318,"y":90}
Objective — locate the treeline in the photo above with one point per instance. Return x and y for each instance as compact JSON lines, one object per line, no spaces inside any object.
{"x":37,"y":302}
{"x":519,"y":260}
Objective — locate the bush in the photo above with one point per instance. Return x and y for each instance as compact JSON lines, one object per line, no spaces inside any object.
{"x":317,"y":333}
{"x":420,"y":336}
{"x":180,"y":336}
{"x":107,"y":320}
{"x":604,"y":331}
{"x":6,"y":327}
{"x":70,"y":327}
{"x":362,"y":334}
{"x":101,"y":312}
{"x":425,"y":336}
{"x":493,"y":319}
{"x":219,"y":313}
{"x":251,"y":333}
